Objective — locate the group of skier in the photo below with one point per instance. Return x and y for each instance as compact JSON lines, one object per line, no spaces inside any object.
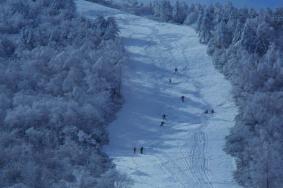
{"x":209,"y":111}
{"x":164,"y":116}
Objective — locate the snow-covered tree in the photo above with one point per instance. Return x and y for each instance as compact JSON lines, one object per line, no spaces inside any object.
{"x":57,"y":77}
{"x":206,"y":25}
{"x":248,"y":39}
{"x":111,"y":30}
{"x":222,"y":37}
{"x":180,"y":12}
{"x":166,"y":11}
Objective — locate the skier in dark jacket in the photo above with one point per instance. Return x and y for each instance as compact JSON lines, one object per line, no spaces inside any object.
{"x":141,"y":150}
{"x":135,"y":150}
{"x":164,"y":116}
{"x":183,"y":98}
{"x":170,"y":81}
{"x":176,"y":70}
{"x":162,"y":123}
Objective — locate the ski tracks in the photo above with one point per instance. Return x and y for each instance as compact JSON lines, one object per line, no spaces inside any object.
{"x":195,"y":162}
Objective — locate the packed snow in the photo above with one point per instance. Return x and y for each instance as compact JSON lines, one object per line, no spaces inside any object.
{"x":186,"y":152}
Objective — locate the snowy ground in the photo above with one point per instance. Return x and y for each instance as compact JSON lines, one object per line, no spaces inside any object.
{"x":187,"y":151}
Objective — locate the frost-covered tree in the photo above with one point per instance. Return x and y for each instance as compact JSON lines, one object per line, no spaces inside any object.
{"x":221,"y":39}
{"x":156,"y":6}
{"x":256,"y":139}
{"x":60,"y":80}
{"x":180,"y":12}
{"x":206,"y":25}
{"x":166,"y":11}
{"x":193,"y":15}
{"x":111,"y":30}
{"x":256,"y":36}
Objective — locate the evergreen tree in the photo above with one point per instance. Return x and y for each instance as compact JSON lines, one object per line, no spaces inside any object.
{"x":166,"y":13}
{"x":180,"y":12}
{"x":206,"y":25}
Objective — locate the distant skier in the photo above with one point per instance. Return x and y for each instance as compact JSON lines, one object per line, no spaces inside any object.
{"x":164,"y":116}
{"x":170,"y":81}
{"x":176,"y":69}
{"x":113,"y":92}
{"x":141,"y":150}
{"x":209,"y":111}
{"x":162,"y":123}
{"x":183,"y":98}
{"x":135,"y":150}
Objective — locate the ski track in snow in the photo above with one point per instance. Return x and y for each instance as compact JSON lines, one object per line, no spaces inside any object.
{"x":187,"y":151}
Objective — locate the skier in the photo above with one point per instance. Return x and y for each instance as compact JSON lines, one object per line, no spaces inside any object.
{"x":206,"y":111}
{"x":164,"y":116}
{"x":176,"y":69}
{"x":141,"y":150}
{"x":183,"y":98}
{"x":170,"y":80}
{"x":212,"y":111}
{"x":135,"y":150}
{"x":162,"y":123}
{"x":113,"y":92}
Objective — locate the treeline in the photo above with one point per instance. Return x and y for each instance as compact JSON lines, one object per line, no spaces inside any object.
{"x":60,"y":80}
{"x":247,"y":46}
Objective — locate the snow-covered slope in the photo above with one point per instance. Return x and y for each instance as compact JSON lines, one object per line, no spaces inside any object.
{"x":187,"y":151}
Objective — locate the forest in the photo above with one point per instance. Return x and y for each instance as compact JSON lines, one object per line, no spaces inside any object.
{"x":60,"y":87}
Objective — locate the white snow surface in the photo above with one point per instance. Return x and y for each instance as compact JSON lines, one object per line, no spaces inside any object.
{"x":188,"y":151}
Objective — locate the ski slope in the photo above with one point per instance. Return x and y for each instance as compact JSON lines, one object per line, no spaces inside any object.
{"x":187,"y":151}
